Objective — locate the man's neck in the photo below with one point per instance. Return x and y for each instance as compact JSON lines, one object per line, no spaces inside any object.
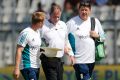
{"x":34,"y":27}
{"x":53,"y":22}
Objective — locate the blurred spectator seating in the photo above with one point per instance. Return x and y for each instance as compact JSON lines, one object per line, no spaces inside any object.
{"x":8,"y":11}
{"x":33,"y":6}
{"x":0,"y":14}
{"x":1,"y":54}
{"x":118,"y":28}
{"x":106,"y":13}
{"x":22,"y":10}
{"x":109,"y":47}
{"x":117,"y":12}
{"x":95,"y":11}
{"x":108,"y":25}
{"x":118,"y":25}
{"x":8,"y":50}
{"x":101,"y":2}
{"x":103,"y":12}
{"x":118,"y":39}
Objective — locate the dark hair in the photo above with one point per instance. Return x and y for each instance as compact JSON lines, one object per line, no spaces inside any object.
{"x":54,"y":7}
{"x":86,"y":3}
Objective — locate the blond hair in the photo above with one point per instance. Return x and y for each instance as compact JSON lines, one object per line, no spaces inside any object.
{"x":38,"y":17}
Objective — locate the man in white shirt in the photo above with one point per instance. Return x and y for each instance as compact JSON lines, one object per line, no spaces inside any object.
{"x":28,"y":45}
{"x":54,"y":33}
{"x":81,"y":40}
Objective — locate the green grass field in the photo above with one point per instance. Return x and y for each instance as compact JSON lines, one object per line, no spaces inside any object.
{"x":102,"y":72}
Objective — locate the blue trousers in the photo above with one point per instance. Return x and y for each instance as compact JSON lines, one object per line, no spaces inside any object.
{"x":30,"y":73}
{"x":84,"y":71}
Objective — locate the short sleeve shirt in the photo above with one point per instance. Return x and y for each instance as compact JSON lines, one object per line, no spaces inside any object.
{"x":31,"y":42}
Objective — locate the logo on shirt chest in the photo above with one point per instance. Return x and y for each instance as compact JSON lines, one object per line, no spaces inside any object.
{"x":33,"y":39}
{"x":77,"y":28}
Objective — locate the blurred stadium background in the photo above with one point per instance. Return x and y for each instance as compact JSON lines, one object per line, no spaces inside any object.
{"x":15,"y":15}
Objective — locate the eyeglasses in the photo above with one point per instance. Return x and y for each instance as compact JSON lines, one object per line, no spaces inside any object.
{"x":87,"y":3}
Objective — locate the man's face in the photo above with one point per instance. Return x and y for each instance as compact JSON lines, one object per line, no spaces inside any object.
{"x":39,"y":24}
{"x":55,"y":16}
{"x":84,"y":12}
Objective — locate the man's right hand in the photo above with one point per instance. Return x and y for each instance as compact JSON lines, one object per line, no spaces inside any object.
{"x":16,"y":73}
{"x":72,"y":60}
{"x":42,"y":50}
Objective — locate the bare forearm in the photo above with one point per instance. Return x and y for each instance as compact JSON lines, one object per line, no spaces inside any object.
{"x":18,"y":56}
{"x":17,"y":60}
{"x":16,"y":71}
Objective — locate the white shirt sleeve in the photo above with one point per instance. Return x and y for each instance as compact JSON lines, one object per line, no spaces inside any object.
{"x":100,"y":30}
{"x":22,"y":39}
{"x":67,"y":43}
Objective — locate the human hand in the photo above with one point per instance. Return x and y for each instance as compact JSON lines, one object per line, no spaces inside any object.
{"x":66,"y":50}
{"x":72,"y":60}
{"x":16,"y":73}
{"x":94,"y":34}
